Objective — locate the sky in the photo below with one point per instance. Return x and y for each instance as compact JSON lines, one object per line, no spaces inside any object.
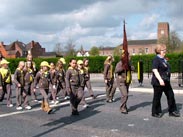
{"x":86,"y":23}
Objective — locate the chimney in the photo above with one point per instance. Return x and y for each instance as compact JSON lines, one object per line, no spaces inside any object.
{"x":2,"y":43}
{"x":32,"y":44}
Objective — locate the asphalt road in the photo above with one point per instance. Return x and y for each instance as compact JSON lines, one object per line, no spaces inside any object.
{"x":101,"y":119}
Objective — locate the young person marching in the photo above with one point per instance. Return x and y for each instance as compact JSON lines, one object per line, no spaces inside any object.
{"x":5,"y":82}
{"x":61,"y":78}
{"x":53,"y":83}
{"x":73,"y":86}
{"x":19,"y":80}
{"x":43,"y":79}
{"x":109,"y":79}
{"x":29,"y":78}
{"x":87,"y":78}
{"x":82,"y":75}
{"x":33,"y":68}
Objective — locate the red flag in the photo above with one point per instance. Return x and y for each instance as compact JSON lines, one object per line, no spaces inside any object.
{"x":125,"y":55}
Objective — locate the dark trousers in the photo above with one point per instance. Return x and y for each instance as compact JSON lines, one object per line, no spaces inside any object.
{"x":88,"y":85}
{"x":156,"y":104}
{"x":75,"y":97}
{"x":21,"y":96}
{"x":6,"y":89}
{"x":110,"y":89}
{"x":62,"y":86}
{"x":123,"y":87}
{"x":44,"y":93}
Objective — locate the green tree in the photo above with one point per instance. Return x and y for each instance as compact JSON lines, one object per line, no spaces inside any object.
{"x":94,"y":51}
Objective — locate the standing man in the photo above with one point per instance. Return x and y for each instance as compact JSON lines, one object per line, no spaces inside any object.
{"x":109,"y":79}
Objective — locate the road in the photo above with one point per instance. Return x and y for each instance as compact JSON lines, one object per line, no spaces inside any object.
{"x":101,"y":119}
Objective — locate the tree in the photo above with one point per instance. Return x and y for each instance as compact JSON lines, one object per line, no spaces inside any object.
{"x":70,"y":48}
{"x":58,"y":49}
{"x":173,"y":42}
{"x":117,"y":51}
{"x":94,"y":51}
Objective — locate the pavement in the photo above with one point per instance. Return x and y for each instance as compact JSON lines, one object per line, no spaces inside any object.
{"x":101,"y":119}
{"x":146,"y":85}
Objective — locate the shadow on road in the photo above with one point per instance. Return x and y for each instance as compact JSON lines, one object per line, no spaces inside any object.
{"x":143,"y":104}
{"x":64,"y":121}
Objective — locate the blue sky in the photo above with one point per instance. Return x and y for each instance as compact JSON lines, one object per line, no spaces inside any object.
{"x":86,"y":22}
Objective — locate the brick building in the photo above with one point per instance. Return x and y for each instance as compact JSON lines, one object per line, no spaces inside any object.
{"x":136,"y":47}
{"x":18,"y":49}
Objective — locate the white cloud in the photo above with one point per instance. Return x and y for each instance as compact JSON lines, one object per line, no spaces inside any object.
{"x":87,"y":22}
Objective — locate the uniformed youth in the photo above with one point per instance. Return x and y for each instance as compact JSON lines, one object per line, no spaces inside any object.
{"x":21,"y":94}
{"x":87,"y":78}
{"x":33,"y":68}
{"x":61,"y":78}
{"x":53,"y":83}
{"x":72,"y":85}
{"x":109,"y":79}
{"x":43,"y":79}
{"x":82,"y":75}
{"x":123,"y":80}
{"x":5,"y":82}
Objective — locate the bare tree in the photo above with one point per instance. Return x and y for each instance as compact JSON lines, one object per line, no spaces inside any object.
{"x":70,"y":48}
{"x":59,"y":49}
{"x":173,"y":42}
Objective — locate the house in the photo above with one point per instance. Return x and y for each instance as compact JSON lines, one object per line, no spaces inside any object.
{"x":138,"y":47}
{"x":14,"y":50}
{"x":18,"y":49}
{"x":82,"y":53}
{"x":35,"y":49}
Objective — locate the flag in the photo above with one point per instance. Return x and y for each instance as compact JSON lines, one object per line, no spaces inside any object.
{"x":125,"y":54}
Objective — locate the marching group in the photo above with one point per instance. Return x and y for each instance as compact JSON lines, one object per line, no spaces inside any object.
{"x":51,"y":77}
{"x":72,"y":82}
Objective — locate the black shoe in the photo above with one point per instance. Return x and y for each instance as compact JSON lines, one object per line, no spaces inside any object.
{"x":74,"y":113}
{"x":93,"y":96}
{"x":159,"y":115}
{"x":174,"y":114}
{"x":124,"y":112}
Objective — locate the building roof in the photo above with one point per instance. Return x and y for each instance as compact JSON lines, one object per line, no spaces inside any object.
{"x":20,"y":44}
{"x":142,"y":42}
{"x":11,"y":52}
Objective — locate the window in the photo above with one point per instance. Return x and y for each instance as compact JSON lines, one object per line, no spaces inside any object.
{"x":146,"y":50}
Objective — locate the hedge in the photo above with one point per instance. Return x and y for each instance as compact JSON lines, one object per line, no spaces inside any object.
{"x":96,"y":62}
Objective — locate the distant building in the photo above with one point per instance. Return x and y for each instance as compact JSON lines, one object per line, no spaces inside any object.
{"x":82,"y":53}
{"x":137,"y":47}
{"x":18,"y":49}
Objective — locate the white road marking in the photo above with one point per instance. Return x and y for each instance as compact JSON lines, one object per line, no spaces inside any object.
{"x":37,"y":109}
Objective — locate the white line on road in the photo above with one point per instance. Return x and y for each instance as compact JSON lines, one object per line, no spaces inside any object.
{"x":37,"y":109}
